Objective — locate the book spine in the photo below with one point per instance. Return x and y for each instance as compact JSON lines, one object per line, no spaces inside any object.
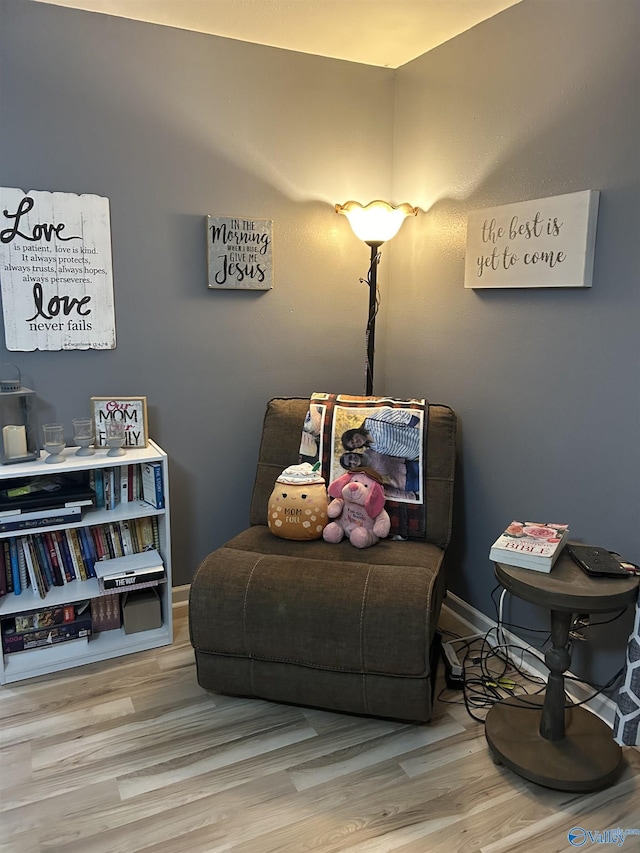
{"x":127,"y":542}
{"x":136,"y":482}
{"x":41,"y":576}
{"x":72,"y":554}
{"x":98,"y":486}
{"x":155,"y":527}
{"x":7,"y":565}
{"x":50,"y":545}
{"x":116,"y":490}
{"x":153,"y":490}
{"x":15,"y":569}
{"x":77,"y":551}
{"x":114,"y":532}
{"x":43,"y":560}
{"x":60,"y":540}
{"x":22,"y":570}
{"x":37,"y":581}
{"x":104,"y":545}
{"x":3,"y":574}
{"x":88,"y":553}
{"x":145,"y":533}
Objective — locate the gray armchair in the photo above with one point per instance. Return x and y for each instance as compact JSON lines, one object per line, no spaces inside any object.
{"x":330,"y":626}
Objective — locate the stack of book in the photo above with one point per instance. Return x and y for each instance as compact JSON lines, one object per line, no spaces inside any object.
{"x":46,"y":627}
{"x":530,"y":545}
{"x":43,"y":501}
{"x":134,"y":570}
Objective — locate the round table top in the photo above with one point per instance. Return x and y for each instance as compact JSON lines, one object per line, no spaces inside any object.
{"x":567,"y":587}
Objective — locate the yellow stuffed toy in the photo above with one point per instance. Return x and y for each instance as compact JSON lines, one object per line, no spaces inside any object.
{"x":298,"y":504}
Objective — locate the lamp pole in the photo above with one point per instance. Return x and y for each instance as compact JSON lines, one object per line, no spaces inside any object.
{"x":373,"y":310}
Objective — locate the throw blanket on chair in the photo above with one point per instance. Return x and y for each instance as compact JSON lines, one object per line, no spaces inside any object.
{"x":626,"y":723}
{"x":343,"y":432}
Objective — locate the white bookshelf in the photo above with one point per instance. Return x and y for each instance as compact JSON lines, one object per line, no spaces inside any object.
{"x":17,"y":666}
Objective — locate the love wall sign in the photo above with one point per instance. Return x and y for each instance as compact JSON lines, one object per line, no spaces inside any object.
{"x":56,"y":271}
{"x":547,"y":242}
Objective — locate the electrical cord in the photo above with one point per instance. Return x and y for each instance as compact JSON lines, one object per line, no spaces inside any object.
{"x":487,"y":666}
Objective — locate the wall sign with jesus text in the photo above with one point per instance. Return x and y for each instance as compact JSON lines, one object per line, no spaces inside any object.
{"x":239,"y":253}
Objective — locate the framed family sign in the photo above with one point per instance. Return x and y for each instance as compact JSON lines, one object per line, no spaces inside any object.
{"x":239,"y":253}
{"x":132,"y":411}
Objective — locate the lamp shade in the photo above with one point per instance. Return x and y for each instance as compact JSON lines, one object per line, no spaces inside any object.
{"x":376,"y":222}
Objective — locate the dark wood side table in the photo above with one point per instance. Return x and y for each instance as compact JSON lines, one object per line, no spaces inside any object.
{"x":570,"y":749}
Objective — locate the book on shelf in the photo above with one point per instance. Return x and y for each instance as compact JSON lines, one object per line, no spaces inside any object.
{"x":112,"y":487}
{"x":22,"y":570}
{"x":152,"y":486}
{"x":24,"y":494}
{"x":50,"y":558}
{"x":67,"y":563}
{"x":96,"y":481}
{"x":50,"y":545}
{"x":15,"y":565}
{"x":36,"y":576}
{"x":40,"y":518}
{"x":530,"y":545}
{"x":7,"y":564}
{"x":105,"y":613}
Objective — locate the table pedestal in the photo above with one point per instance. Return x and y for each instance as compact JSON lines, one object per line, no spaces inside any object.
{"x":536,"y":736}
{"x":585,"y":759}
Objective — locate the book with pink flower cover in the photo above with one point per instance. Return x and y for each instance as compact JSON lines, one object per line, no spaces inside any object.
{"x":530,"y":545}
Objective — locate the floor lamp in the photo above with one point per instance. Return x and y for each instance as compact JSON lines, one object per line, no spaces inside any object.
{"x":374,"y":224}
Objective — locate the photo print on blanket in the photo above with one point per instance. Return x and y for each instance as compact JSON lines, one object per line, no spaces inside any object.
{"x":344,"y":432}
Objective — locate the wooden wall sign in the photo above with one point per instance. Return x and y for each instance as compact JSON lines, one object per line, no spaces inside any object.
{"x":547,"y":242}
{"x":56,"y":271}
{"x":239,"y":253}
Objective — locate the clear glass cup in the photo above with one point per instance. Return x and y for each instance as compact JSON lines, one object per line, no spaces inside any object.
{"x":114,"y":431}
{"x":54,"y":442}
{"x":83,"y":436}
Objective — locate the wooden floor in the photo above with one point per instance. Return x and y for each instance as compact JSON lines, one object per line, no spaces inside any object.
{"x":133,"y":755}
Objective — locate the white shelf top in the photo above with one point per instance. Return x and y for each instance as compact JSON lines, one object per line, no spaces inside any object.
{"x":38,"y":467}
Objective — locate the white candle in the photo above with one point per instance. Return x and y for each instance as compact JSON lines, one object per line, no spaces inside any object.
{"x":15,"y":441}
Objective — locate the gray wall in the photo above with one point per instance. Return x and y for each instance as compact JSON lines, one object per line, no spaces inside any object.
{"x":170,"y":126}
{"x":542,"y":99}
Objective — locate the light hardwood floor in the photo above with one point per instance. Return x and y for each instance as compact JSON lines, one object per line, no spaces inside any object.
{"x":133,"y":755}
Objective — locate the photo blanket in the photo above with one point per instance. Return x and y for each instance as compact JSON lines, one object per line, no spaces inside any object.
{"x":344,"y":432}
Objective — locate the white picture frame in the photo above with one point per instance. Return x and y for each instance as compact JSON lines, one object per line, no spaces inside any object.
{"x":131,"y":410}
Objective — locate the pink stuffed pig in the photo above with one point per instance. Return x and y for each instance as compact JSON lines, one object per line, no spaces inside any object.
{"x":357,"y":509}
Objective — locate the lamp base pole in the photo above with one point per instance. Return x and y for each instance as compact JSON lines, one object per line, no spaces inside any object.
{"x":371,"y":323}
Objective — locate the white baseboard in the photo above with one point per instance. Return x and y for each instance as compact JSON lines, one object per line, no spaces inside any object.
{"x":532,"y":660}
